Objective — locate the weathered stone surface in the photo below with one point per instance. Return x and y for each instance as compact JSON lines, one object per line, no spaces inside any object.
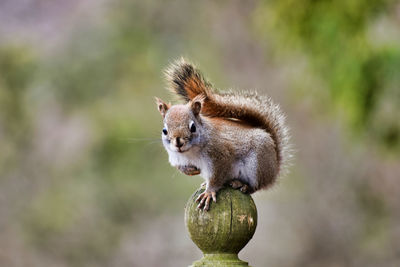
{"x":224,"y":230}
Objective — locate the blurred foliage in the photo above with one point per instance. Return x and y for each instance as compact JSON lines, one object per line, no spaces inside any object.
{"x":361,"y":74}
{"x":17,"y":68}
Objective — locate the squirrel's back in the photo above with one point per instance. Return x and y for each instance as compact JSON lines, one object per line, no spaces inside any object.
{"x":256,"y":110}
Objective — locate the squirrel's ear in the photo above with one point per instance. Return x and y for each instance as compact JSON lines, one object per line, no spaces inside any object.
{"x":162,"y":107}
{"x":196,"y":107}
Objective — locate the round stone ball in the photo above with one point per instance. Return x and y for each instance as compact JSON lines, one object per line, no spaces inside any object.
{"x":227,"y":226}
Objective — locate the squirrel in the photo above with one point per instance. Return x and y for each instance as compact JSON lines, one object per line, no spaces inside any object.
{"x":236,"y":139}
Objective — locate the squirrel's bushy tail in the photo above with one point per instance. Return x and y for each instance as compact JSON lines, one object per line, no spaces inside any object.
{"x":259,"y":111}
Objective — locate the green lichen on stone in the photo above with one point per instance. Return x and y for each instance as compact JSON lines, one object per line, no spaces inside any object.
{"x":224,"y":230}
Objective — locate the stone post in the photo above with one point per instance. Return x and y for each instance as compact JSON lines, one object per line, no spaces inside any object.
{"x":224,"y":230}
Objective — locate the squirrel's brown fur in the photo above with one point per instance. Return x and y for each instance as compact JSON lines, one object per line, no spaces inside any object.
{"x":236,"y":138}
{"x":258,"y":111}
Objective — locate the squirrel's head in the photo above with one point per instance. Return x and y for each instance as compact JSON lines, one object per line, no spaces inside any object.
{"x":182,"y":125}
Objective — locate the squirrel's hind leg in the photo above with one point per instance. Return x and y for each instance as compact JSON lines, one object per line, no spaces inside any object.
{"x":237,"y":184}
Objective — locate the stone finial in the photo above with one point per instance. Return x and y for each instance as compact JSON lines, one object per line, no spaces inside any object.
{"x":224,"y":230}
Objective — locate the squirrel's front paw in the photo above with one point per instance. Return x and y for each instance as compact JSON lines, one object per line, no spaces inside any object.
{"x":189,"y":170}
{"x":205,"y":198}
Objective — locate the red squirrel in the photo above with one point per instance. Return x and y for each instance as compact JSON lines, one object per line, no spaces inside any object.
{"x":236,"y":139}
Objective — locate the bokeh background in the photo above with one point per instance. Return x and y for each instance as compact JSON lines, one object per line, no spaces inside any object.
{"x":84,"y":179}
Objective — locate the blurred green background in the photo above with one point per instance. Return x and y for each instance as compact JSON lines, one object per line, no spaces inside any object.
{"x":85,"y":181}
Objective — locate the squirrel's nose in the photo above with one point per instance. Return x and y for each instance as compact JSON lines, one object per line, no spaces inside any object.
{"x":178,"y":142}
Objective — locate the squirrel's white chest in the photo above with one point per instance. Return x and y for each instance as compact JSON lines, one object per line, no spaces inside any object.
{"x":194,"y":158}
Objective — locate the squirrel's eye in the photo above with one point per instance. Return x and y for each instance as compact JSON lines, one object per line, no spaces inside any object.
{"x":165,"y":131}
{"x":192,"y":127}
